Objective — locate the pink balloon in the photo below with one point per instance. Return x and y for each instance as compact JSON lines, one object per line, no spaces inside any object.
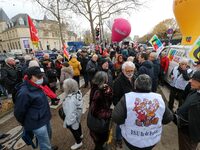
{"x":120,"y":29}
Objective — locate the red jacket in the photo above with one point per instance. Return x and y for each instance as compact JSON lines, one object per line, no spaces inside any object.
{"x":164,"y":62}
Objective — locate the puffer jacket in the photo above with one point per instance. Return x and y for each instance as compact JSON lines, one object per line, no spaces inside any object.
{"x":76,"y":65}
{"x":66,"y":72}
{"x":73,"y":106}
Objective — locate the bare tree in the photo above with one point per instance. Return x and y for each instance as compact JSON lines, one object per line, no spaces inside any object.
{"x":56,"y":8}
{"x":101,"y":9}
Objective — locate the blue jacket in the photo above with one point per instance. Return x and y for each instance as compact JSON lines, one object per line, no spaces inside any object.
{"x":147,"y":68}
{"x":31,"y":107}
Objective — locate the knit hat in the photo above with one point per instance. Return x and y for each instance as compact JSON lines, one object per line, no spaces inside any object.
{"x":196,"y":76}
{"x":35,"y":71}
{"x":103,"y":60}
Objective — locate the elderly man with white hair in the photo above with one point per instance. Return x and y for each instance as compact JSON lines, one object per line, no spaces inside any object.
{"x":122,"y":85}
{"x":92,"y":67}
{"x":180,"y":76}
{"x":9,"y":76}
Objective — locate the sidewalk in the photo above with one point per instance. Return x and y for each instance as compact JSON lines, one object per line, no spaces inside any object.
{"x":64,"y":139}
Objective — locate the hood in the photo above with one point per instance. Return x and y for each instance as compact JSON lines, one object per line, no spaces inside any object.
{"x":147,"y":64}
{"x":76,"y":95}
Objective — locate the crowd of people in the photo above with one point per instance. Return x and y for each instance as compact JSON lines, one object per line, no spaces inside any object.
{"x":126,"y":77}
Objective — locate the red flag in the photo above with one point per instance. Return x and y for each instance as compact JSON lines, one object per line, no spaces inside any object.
{"x":33,"y":31}
{"x":65,"y":52}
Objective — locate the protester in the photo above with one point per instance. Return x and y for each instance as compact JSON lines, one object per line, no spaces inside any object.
{"x":104,"y":66}
{"x":187,"y":117}
{"x":51,"y":75}
{"x":84,"y":60}
{"x":10,"y":77}
{"x":156,"y":68}
{"x":36,"y":117}
{"x":146,"y":66}
{"x":27,"y":59}
{"x":118,"y":65}
{"x":164,"y":65}
{"x":46,"y":59}
{"x":180,"y":76}
{"x":92,"y":67}
{"x":140,"y":115}
{"x":122,"y":85}
{"x":188,"y":89}
{"x":66,"y":72}
{"x":100,"y":102}
{"x":58,"y":65}
{"x":76,"y":65}
{"x":72,"y":106}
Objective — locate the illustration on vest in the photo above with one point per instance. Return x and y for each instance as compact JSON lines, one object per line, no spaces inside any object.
{"x":145,"y":111}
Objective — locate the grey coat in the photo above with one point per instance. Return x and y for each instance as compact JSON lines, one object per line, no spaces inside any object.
{"x":73,"y":106}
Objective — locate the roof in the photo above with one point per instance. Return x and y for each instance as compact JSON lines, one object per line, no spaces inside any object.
{"x":15,"y":19}
{"x":3,"y":16}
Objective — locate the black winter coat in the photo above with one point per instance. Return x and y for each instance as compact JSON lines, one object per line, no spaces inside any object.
{"x":9,"y":76}
{"x":84,"y":61}
{"x":121,"y":86}
{"x":189,"y":112}
{"x":31,"y":107}
{"x":92,"y":68}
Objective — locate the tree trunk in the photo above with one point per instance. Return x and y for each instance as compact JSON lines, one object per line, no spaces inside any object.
{"x":60,"y":26}
{"x":91,"y":21}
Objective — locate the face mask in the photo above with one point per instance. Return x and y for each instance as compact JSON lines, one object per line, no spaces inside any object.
{"x":39,"y":82}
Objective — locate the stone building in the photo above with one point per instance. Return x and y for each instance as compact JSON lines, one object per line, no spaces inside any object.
{"x":15,"y":34}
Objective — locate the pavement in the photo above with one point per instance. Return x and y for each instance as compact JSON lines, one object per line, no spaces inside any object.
{"x":63,"y":138}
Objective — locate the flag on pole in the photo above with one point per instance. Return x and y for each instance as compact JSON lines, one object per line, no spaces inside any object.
{"x":157,"y":44}
{"x":65,"y":52}
{"x":33,"y":32}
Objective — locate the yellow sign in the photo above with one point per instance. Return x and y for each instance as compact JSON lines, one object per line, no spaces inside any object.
{"x":194,"y":53}
{"x":187,"y":15}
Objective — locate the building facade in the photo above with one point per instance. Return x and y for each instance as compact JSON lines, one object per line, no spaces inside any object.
{"x":15,"y":34}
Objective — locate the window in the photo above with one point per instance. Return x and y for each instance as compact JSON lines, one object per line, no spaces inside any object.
{"x":8,"y":46}
{"x":13,"y":34}
{"x":46,"y":33}
{"x":53,"y":34}
{"x":21,"y":21}
{"x":16,"y":45}
{"x":11,"y":24}
{"x":13,"y":45}
{"x":19,"y":44}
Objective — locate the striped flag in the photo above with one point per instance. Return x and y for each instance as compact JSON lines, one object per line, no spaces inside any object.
{"x":65,"y":52}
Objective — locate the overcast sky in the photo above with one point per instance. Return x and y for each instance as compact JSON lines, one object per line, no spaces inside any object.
{"x":141,"y":21}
